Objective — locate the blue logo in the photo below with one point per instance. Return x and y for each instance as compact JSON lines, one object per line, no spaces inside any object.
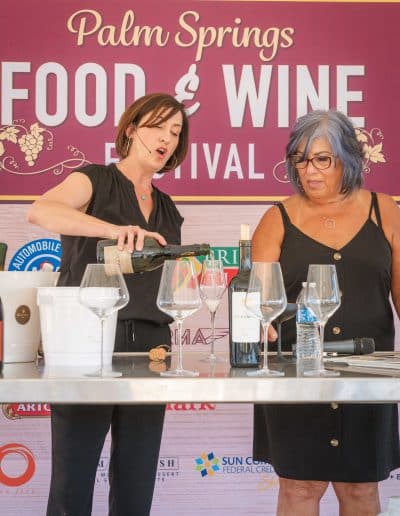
{"x":42,"y":254}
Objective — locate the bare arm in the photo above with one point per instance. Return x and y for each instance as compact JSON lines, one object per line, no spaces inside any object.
{"x":268,"y":237}
{"x":62,"y":210}
{"x":266,"y":245}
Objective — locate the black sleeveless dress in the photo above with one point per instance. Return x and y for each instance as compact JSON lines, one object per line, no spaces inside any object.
{"x":336,"y":442}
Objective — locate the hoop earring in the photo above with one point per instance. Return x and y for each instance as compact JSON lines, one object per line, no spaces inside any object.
{"x":128,"y":146}
{"x":172,"y":166}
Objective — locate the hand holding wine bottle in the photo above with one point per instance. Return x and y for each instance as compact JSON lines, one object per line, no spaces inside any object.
{"x":151,"y":257}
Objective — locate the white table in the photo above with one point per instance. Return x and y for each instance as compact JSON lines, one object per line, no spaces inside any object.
{"x":221,"y":384}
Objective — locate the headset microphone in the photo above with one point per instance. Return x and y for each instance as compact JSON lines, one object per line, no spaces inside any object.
{"x":142,"y":142}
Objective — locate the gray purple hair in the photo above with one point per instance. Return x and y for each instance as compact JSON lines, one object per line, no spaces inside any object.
{"x":341,"y":135}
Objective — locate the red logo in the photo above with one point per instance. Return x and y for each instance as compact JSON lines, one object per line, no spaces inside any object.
{"x":24,"y":452}
{"x":20,"y":410}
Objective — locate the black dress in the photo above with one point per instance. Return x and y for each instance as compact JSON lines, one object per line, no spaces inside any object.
{"x":336,"y":442}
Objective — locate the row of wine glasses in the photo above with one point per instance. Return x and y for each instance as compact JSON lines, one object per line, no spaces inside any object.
{"x":266,"y":299}
{"x":180,"y":295}
{"x":103,"y":290}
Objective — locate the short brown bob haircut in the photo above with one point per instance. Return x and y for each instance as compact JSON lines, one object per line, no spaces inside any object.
{"x":162,"y":107}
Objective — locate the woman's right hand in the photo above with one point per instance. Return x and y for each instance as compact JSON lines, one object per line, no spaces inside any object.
{"x":132,"y":237}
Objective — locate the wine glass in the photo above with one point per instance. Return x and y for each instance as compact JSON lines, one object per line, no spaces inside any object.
{"x":266,"y":299}
{"x":286,"y":315}
{"x":103,"y":290}
{"x":179,"y":297}
{"x":322,"y":297}
{"x":212,"y":288}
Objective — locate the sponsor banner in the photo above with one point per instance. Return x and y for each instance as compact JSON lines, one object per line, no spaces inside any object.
{"x":23,"y":410}
{"x":245,"y":70}
{"x":42,"y":254}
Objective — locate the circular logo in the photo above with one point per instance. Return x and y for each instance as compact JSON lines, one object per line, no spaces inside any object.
{"x":22,"y":314}
{"x":42,"y":254}
{"x":23,"y":451}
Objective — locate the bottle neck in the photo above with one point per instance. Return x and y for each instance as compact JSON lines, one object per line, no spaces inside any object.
{"x":244,"y":255}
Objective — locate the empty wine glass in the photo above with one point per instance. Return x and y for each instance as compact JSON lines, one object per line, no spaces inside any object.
{"x":179,"y":297}
{"x":103,"y":290}
{"x":322,"y":297}
{"x":266,"y":299}
{"x":212,"y":288}
{"x":286,"y":315}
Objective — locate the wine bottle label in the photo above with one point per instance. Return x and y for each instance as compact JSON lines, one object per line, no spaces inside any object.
{"x":113,"y":255}
{"x":245,"y":327}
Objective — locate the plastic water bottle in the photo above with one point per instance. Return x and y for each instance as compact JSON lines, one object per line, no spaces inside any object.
{"x":307,"y":342}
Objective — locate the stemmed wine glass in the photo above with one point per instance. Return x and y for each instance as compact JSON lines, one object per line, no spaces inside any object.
{"x":322,"y":297}
{"x":286,"y":315}
{"x":103,"y":290}
{"x":179,"y":297}
{"x":266,"y":299}
{"x":212,"y":288}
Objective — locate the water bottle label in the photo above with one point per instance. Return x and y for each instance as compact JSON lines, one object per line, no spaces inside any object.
{"x":245,"y":327}
{"x":305,"y":316}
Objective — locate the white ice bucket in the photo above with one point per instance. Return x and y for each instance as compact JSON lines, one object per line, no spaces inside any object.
{"x":18,"y":290}
{"x":71,"y":333}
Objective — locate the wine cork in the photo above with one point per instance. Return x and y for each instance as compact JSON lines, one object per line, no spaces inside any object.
{"x":244,"y":232}
{"x":113,"y":255}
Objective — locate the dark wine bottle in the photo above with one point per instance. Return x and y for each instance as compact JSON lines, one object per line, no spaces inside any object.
{"x":1,"y":336}
{"x":149,"y":258}
{"x":244,"y":329}
{"x":3,"y":252}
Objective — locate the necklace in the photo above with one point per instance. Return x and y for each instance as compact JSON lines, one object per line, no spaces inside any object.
{"x":329,"y":222}
{"x":143,"y":197}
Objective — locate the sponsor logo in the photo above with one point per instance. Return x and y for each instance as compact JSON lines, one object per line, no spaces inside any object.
{"x":29,"y":470}
{"x":42,"y":254}
{"x":22,"y":314}
{"x":230,"y":259}
{"x":236,"y":464}
{"x":201,"y":336}
{"x":207,"y":464}
{"x":22,"y":410}
{"x":168,"y":467}
{"x":191,"y":407}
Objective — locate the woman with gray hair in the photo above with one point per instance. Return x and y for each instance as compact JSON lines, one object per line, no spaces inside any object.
{"x":332,"y":220}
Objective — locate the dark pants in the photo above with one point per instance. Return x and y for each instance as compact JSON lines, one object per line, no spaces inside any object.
{"x":78,"y":434}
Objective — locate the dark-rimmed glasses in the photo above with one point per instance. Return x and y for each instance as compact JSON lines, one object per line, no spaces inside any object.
{"x":321,"y":162}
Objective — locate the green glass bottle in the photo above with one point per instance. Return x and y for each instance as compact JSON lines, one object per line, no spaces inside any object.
{"x":151,"y":257}
{"x":3,"y":252}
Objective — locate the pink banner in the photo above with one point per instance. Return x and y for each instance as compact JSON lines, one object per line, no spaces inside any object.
{"x":245,"y":71}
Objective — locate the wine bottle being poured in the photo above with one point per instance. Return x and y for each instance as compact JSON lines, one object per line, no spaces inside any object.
{"x":149,"y":258}
{"x":3,"y":252}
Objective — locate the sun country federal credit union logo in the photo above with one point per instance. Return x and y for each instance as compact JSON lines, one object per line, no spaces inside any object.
{"x":42,"y":254}
{"x":209,"y":464}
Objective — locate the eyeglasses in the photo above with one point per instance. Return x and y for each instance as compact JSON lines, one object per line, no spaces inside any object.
{"x":319,"y":162}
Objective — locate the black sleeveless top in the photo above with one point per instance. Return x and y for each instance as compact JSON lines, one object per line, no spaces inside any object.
{"x":114,"y":200}
{"x":336,"y":442}
{"x":363,"y":267}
